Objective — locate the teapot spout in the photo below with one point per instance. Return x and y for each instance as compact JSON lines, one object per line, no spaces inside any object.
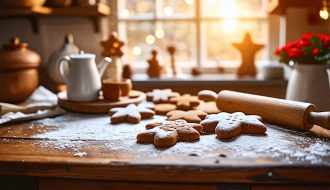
{"x":103,"y":65}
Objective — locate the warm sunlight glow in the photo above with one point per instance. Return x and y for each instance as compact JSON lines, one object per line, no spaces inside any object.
{"x":229,"y":26}
{"x":168,"y":10}
{"x":159,"y":33}
{"x":150,"y":39}
{"x":124,"y":13}
{"x":228,"y":9}
{"x":189,"y":2}
{"x":137,"y":51}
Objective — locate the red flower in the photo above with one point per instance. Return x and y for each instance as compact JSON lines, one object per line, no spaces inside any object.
{"x":315,"y":51}
{"x":305,"y":43}
{"x":305,"y":39}
{"x":306,"y":36}
{"x":324,"y":38}
{"x":279,"y":50}
{"x":314,"y":47}
{"x":294,"y":49}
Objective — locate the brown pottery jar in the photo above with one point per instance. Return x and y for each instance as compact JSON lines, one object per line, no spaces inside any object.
{"x":18,"y":71}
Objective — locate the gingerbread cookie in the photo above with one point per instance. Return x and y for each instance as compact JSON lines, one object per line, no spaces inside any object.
{"x":192,"y":116}
{"x":131,"y":113}
{"x":207,"y":95}
{"x":161,"y":95}
{"x":185,"y":102}
{"x":163,"y":109}
{"x":228,"y":126}
{"x":165,"y":134}
{"x":208,"y":107}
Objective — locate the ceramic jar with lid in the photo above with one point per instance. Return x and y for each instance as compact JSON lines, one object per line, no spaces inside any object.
{"x":67,"y":49}
{"x":18,"y":71}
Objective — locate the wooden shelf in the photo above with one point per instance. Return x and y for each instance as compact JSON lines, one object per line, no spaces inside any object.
{"x":92,"y":12}
{"x":280,"y":6}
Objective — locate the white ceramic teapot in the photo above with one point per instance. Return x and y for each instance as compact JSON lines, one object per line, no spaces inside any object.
{"x":83,"y":79}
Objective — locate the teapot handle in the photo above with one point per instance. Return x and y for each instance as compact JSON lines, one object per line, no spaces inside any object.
{"x":61,"y":68}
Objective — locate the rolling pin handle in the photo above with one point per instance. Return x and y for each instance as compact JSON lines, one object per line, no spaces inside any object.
{"x":320,"y":118}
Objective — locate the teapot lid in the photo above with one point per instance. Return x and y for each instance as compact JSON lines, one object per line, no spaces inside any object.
{"x":83,"y":55}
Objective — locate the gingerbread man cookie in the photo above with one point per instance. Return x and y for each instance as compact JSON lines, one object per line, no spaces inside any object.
{"x":185,"y":102}
{"x":192,"y":116}
{"x":131,"y":113}
{"x":165,"y":134}
{"x":207,"y":95}
{"x":161,"y":95}
{"x":228,"y":126}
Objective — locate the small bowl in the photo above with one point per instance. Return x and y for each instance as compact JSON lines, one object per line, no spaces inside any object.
{"x":272,"y":72}
{"x":114,"y":90}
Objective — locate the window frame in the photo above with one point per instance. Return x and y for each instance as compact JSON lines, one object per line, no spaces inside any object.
{"x":197,"y":19}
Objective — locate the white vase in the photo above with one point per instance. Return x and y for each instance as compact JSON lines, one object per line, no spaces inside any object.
{"x":310,"y":83}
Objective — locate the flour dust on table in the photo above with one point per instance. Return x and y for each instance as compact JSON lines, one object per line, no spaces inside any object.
{"x":78,"y":133}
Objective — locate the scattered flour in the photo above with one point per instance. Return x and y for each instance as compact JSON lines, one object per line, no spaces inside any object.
{"x":80,"y":154}
{"x":77,"y":132}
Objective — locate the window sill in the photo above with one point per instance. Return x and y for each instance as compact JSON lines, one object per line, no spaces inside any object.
{"x":216,"y":82}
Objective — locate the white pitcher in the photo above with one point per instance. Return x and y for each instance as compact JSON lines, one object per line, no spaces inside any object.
{"x":84,"y":77}
{"x":310,"y":83}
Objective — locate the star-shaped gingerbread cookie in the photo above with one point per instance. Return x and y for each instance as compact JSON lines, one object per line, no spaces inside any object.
{"x":185,"y":102}
{"x":191,"y":116}
{"x":131,"y":113}
{"x":112,"y":46}
{"x":166,"y":134}
{"x":161,"y":95}
{"x":228,"y":126}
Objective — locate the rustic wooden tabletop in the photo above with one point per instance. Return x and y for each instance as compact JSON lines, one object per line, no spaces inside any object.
{"x":82,"y":146}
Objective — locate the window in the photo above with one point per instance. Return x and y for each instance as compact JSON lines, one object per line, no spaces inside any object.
{"x":201,"y":30}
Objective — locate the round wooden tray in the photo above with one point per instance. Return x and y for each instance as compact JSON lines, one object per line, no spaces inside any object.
{"x":101,"y":105}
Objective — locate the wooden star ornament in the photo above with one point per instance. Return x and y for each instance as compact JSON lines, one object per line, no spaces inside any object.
{"x":112,"y":46}
{"x":248,"y":49}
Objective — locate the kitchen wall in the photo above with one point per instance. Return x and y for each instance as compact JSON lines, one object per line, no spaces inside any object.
{"x":53,"y":30}
{"x":51,"y":34}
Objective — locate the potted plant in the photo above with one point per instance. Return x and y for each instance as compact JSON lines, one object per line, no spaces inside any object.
{"x":309,"y":57}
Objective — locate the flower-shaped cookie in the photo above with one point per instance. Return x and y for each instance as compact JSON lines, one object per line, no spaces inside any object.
{"x":161,"y":95}
{"x":131,"y":113}
{"x":165,"y":134}
{"x":228,"y":125}
{"x":192,"y":116}
{"x":185,"y":102}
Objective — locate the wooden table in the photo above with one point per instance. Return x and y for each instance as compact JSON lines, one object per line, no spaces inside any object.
{"x":77,"y":151}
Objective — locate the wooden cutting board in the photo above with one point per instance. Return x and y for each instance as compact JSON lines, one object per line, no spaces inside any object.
{"x":100,"y":105}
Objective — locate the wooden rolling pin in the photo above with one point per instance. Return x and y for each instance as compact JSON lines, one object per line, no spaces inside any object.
{"x":298,"y":115}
